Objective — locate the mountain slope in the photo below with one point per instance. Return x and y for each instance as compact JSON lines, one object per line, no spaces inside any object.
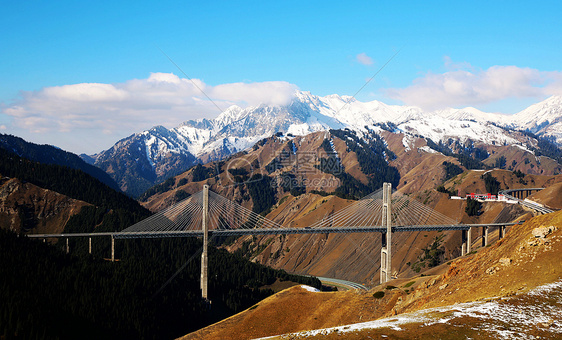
{"x":144,"y":159}
{"x":37,"y":197}
{"x":315,"y":175}
{"x":511,"y":267}
{"x":48,"y":154}
{"x":25,"y":207}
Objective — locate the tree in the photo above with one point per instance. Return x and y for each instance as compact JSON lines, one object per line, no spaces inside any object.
{"x":472,"y":207}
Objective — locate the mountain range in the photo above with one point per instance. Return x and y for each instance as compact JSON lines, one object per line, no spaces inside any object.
{"x":149,"y":157}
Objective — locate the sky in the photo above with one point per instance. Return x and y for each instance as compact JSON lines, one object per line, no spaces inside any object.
{"x":83,"y":75}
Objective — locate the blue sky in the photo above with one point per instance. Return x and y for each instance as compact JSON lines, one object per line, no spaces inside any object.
{"x":494,"y":55}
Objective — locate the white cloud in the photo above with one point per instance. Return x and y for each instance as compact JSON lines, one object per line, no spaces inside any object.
{"x":253,"y":94}
{"x":363,"y":58}
{"x":464,"y":85}
{"x":117,"y":110}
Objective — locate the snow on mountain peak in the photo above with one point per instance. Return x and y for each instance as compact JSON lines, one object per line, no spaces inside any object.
{"x":238,"y":128}
{"x":538,"y":115}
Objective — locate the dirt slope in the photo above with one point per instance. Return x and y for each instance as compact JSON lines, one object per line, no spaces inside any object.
{"x":511,"y":266}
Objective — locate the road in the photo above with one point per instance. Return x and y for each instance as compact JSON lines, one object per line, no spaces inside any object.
{"x":341,"y":283}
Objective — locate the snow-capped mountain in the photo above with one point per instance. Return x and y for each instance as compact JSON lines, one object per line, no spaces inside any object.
{"x":148,"y":157}
{"x":544,"y":118}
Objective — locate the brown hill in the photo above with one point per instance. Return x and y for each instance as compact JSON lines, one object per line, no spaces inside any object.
{"x":511,"y":266}
{"x":550,"y":197}
{"x":25,"y":207}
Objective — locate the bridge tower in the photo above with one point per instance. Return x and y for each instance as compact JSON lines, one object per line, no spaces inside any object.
{"x":386,"y":253}
{"x":204,"y":255}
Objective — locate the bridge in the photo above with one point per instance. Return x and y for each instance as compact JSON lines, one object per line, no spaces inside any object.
{"x":207,"y":214}
{"x":520,"y":195}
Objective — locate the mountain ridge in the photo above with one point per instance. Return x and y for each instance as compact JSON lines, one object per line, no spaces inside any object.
{"x":159,"y":153}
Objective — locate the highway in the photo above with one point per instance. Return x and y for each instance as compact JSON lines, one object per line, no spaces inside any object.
{"x":341,"y":283}
{"x":526,"y":203}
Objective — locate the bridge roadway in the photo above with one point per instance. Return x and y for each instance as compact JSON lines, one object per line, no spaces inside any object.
{"x":527,"y":203}
{"x":270,"y":231}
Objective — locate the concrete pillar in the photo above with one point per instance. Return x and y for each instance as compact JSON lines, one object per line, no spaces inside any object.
{"x":466,"y":241}
{"x":384,"y":256}
{"x":67,"y":246}
{"x":463,"y":242}
{"x":386,"y":250}
{"x":469,"y":240}
{"x":90,"y":245}
{"x":484,"y":236}
{"x":112,"y":249}
{"x":204,"y":255}
{"x":501,"y":232}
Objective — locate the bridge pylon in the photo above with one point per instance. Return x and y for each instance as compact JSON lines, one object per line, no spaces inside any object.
{"x":204,"y":255}
{"x":386,"y":249}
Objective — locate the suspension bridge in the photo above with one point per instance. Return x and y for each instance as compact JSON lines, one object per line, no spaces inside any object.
{"x":207,"y":214}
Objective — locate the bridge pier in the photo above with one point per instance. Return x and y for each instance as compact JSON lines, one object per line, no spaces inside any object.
{"x":204,"y":255}
{"x":112,"y":249}
{"x":466,"y":239}
{"x":501,"y":232}
{"x":484,"y":236}
{"x":386,"y":251}
{"x":67,"y":246}
{"x":90,"y":245}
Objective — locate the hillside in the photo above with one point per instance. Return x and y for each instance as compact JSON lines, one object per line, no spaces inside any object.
{"x":47,"y":154}
{"x":508,"y":268}
{"x":25,"y":207}
{"x":311,"y":194}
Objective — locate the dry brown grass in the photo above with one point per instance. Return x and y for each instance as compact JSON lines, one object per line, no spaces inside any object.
{"x":465,"y":279}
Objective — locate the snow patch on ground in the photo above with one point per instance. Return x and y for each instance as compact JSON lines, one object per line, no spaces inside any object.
{"x":310,"y":289}
{"x":494,"y":315}
{"x":427,"y":149}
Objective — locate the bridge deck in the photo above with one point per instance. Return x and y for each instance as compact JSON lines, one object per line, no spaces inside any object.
{"x":271,"y":231}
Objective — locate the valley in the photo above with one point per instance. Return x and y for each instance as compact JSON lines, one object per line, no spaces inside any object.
{"x":298,"y":181}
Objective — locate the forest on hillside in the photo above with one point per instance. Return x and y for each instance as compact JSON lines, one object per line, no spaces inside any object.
{"x":48,"y":294}
{"x":47,"y":154}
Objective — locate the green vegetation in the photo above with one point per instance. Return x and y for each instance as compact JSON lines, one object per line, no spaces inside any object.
{"x":500,"y":162}
{"x":472,"y":207}
{"x":262,"y":193}
{"x":70,"y":182}
{"x":201,"y":173}
{"x":451,"y":192}
{"x":372,"y":155}
{"x":451,"y":170}
{"x":48,"y":154}
{"x":469,"y":156}
{"x":378,"y":295}
{"x":181,"y":195}
{"x":521,"y":177}
{"x":45,"y":293}
{"x":519,"y":174}
{"x":432,"y":255}
{"x":409,"y":284}
{"x":491,"y":183}
{"x":389,"y":287}
{"x":158,"y":189}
